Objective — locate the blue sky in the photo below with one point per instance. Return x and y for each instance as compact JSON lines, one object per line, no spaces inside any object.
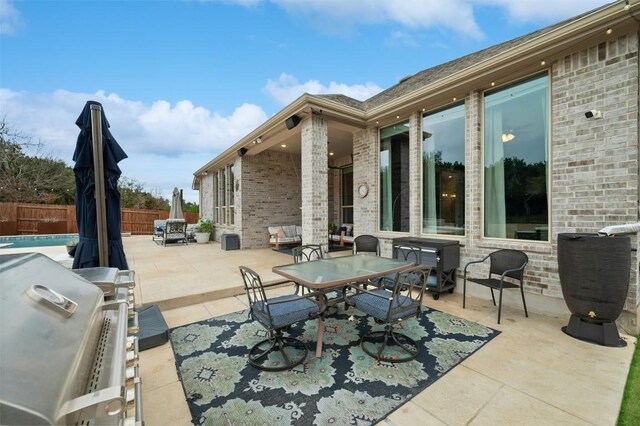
{"x":180,"y":81}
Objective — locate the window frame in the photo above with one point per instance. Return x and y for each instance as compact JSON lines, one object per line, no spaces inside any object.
{"x":379,"y":179}
{"x":422,"y":116}
{"x":549,"y":163}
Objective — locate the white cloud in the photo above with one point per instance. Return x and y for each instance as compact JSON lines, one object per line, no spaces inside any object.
{"x":287,"y":88}
{"x":10,"y":19}
{"x":165,"y":143}
{"x":457,"y":16}
{"x":543,"y":10}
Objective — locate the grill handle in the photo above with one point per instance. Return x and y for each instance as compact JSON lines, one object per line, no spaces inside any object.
{"x":109,"y":401}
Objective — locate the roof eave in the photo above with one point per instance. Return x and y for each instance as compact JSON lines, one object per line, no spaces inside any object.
{"x":555,"y":40}
{"x":306,"y":103}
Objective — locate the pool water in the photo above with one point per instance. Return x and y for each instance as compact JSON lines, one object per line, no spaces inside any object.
{"x":23,"y":241}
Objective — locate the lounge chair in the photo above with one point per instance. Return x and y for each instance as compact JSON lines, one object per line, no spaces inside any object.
{"x":175,"y":231}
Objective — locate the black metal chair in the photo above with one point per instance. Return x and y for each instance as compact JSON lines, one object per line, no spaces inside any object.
{"x":407,"y":252}
{"x":277,"y":314}
{"x":509,"y":266}
{"x":366,"y":244}
{"x":306,"y":253}
{"x":390,"y":307}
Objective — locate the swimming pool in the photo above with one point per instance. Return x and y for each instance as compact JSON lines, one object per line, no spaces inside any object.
{"x":22,"y":241}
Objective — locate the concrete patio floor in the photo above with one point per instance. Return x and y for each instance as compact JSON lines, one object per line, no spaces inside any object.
{"x":532,"y":373}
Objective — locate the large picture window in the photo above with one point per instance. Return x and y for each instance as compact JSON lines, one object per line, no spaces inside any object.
{"x":443,"y":171}
{"x":516,"y":129}
{"x":394,"y":177}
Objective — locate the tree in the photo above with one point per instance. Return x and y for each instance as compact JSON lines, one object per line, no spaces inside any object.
{"x":133,"y":196}
{"x":37,"y":178}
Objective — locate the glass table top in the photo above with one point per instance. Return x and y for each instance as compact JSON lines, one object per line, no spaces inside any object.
{"x":324,"y":273}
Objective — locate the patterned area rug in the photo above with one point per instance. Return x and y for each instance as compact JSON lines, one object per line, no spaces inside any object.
{"x":344,"y":387}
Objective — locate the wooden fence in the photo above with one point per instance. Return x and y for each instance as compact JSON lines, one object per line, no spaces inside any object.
{"x":30,"y":219}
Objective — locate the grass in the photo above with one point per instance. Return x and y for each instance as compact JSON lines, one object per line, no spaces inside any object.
{"x":630,"y":410}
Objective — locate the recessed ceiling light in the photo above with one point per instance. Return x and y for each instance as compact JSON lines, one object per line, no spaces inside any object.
{"x":397,"y":116}
{"x":284,"y":145}
{"x":424,"y":109}
{"x":493,"y":83}
{"x":609,"y":31}
{"x":455,"y":99}
{"x":330,"y":153}
{"x":543,"y":63}
{"x":377,"y":122}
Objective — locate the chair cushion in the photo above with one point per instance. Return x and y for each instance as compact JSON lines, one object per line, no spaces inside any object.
{"x":273,"y":229}
{"x":378,"y":307}
{"x":282,"y":314}
{"x":290,"y":231}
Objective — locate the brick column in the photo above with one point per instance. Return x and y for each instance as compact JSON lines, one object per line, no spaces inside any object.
{"x":315,"y":188}
{"x":415,"y":173}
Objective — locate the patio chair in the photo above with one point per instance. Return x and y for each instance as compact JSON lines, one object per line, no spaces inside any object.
{"x":407,"y":252}
{"x":306,"y":253}
{"x":158,"y":229}
{"x":175,"y":231}
{"x":506,"y":264}
{"x":277,"y":314}
{"x":390,"y":307}
{"x":366,"y":244}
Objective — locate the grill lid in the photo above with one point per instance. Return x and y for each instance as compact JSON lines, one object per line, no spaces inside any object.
{"x":50,"y":320}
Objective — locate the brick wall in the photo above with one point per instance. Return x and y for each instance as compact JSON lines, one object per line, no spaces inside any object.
{"x":595,"y":162}
{"x":594,"y":165}
{"x":269,"y":195}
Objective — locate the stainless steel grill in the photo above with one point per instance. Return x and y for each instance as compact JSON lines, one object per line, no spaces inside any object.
{"x":65,"y":353}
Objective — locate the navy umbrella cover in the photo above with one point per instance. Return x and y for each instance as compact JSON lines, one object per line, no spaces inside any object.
{"x":86,"y":254}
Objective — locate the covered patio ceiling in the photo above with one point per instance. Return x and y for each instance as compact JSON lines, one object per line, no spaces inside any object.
{"x":340,"y":137}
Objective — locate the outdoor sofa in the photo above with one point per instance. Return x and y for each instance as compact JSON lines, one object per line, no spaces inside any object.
{"x":285,"y":235}
{"x":343,"y":235}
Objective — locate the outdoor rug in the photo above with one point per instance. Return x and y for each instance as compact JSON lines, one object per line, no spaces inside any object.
{"x":344,"y":387}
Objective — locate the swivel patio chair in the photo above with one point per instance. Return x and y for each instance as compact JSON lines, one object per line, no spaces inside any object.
{"x":366,"y":244}
{"x":407,"y":252}
{"x":390,"y":307}
{"x":506,"y":264}
{"x":307,"y":253}
{"x":175,"y":231}
{"x":277,"y":314}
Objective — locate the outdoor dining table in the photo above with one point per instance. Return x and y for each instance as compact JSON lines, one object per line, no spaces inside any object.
{"x":326,"y":275}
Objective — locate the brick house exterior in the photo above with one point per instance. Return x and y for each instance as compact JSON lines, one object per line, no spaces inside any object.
{"x":592,"y":64}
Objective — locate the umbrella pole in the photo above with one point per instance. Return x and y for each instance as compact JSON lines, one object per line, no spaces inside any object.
{"x":98,"y":167}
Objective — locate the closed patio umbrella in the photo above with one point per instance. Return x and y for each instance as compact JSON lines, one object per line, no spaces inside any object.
{"x":176,"y":205}
{"x":88,"y":184}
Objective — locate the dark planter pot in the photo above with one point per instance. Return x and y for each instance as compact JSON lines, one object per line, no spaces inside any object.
{"x":594,"y":275}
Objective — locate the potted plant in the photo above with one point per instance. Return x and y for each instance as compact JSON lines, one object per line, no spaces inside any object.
{"x":203,"y":230}
{"x":332,"y":228}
